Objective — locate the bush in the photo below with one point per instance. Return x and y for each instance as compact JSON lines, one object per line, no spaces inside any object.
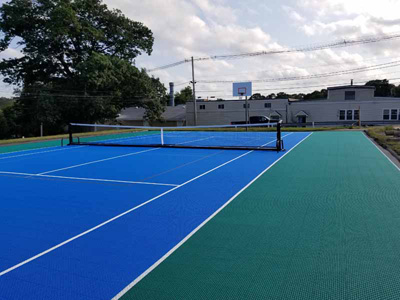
{"x":4,"y":130}
{"x":390,"y":127}
{"x":379,"y":135}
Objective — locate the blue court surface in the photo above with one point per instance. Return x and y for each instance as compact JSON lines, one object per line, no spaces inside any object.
{"x":83,"y":222}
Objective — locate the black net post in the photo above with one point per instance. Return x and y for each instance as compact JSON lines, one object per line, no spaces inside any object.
{"x":279,"y":145}
{"x":70,"y":134}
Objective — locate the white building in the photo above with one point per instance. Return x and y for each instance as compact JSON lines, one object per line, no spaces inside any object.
{"x":344,"y":105}
{"x":172,"y":116}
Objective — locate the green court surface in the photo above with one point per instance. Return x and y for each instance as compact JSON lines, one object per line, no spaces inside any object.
{"x":31,"y":146}
{"x":322,"y":223}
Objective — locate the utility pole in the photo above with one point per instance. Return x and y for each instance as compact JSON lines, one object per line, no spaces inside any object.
{"x":194,"y":94}
{"x":171,"y":94}
{"x":247,"y":111}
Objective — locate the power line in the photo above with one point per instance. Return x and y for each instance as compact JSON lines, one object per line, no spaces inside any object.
{"x":169,"y":65}
{"x":336,"y":44}
{"x":314,"y":76}
{"x":298,"y":87}
{"x":309,"y":67}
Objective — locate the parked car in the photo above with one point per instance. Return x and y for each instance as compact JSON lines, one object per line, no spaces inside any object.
{"x":255,"y":120}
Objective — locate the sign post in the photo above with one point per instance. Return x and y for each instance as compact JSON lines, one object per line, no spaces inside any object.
{"x":241,"y":89}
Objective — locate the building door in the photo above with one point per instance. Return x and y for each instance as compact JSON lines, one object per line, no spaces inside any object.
{"x":301,"y":119}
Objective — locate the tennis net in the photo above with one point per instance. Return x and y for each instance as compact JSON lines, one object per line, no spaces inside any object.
{"x":237,"y":137}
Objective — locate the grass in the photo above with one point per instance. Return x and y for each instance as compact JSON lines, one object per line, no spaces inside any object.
{"x":379,"y":135}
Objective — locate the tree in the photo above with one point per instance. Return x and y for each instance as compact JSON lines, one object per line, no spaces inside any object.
{"x":271,"y":96}
{"x":322,"y":94}
{"x":282,"y":95}
{"x":257,"y":96}
{"x":8,"y":126}
{"x":382,"y":87}
{"x":4,"y":130}
{"x":184,"y":95}
{"x":77,"y":61}
{"x":396,"y":91}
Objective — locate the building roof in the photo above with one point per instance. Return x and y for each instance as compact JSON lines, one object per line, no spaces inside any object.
{"x":301,"y":113}
{"x":172,"y":113}
{"x":275,"y":113}
{"x":343,"y":87}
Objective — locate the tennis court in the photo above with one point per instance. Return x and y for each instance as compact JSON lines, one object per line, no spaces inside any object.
{"x":318,"y":220}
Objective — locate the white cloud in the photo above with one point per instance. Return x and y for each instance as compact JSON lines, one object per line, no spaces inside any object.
{"x":10,"y":53}
{"x":220,"y":13}
{"x":294,"y":15}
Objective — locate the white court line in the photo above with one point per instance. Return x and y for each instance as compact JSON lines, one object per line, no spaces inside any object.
{"x":87,"y":179}
{"x":97,"y":161}
{"x":166,"y":255}
{"x":48,"y":151}
{"x":119,"y":216}
{"x":381,"y":151}
{"x":196,"y":140}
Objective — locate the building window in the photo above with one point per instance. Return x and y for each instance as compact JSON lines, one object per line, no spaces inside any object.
{"x":248,"y":105}
{"x":356,"y":114}
{"x":221,"y":106}
{"x":202,"y":106}
{"x":267,"y":105}
{"x":349,"y":115}
{"x":350,"y":95}
{"x":342,"y":114}
{"x":393,"y":114}
{"x":386,"y":114}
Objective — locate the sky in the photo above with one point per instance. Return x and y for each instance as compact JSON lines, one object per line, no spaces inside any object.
{"x":203,"y":28}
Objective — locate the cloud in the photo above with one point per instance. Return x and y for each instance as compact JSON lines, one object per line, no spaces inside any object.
{"x":294,"y":15}
{"x":10,"y":53}
{"x":219,"y":13}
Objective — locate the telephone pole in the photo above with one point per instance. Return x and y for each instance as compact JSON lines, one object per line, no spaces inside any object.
{"x":194,"y":94}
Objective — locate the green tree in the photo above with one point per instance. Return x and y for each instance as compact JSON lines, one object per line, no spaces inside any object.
{"x":257,"y":96}
{"x":396,"y":91}
{"x":4,"y":102}
{"x":184,"y":95}
{"x":282,"y":95}
{"x":9,"y":122}
{"x":77,"y":63}
{"x":4,"y":130}
{"x":382,"y":87}
{"x":322,"y":94}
